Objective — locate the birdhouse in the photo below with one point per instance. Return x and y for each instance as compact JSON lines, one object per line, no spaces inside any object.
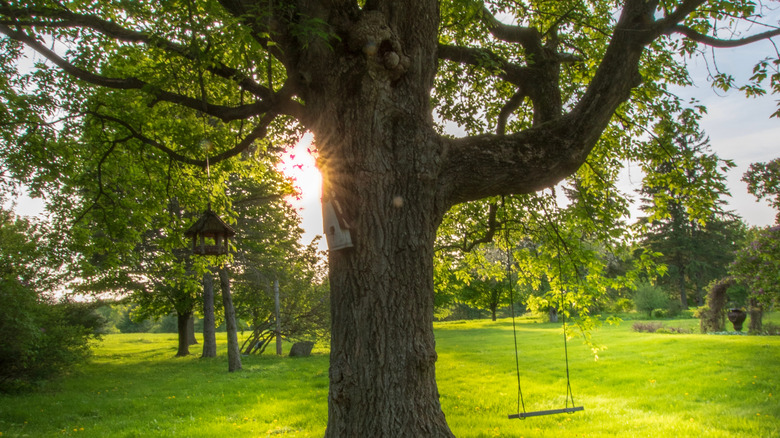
{"x":336,"y":227}
{"x":210,"y":235}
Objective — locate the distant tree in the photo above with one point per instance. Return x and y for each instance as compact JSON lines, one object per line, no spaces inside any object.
{"x":757,"y":266}
{"x":649,"y":297}
{"x":763,"y":180}
{"x":685,"y":222}
{"x":481,"y":280}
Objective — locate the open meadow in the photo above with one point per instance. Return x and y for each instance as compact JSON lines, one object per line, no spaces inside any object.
{"x":642,"y":385}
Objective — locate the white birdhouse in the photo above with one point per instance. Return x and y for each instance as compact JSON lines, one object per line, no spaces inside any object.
{"x":336,"y":228}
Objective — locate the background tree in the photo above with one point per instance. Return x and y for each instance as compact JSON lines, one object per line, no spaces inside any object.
{"x":763,"y":180}
{"x":367,"y":79}
{"x":685,"y":222}
{"x":757,"y":266}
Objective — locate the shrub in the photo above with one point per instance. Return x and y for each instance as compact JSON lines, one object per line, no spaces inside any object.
{"x":40,"y":339}
{"x":648,"y":297}
{"x":657,"y":327}
{"x":659,"y":313}
{"x":646,"y":327}
{"x":622,"y":305}
{"x":771,"y":329}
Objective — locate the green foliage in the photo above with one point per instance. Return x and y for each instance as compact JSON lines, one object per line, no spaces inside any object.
{"x":41,"y":337}
{"x":648,"y":298}
{"x":683,"y":199}
{"x":757,"y":266}
{"x":622,"y":305}
{"x":763,"y":180}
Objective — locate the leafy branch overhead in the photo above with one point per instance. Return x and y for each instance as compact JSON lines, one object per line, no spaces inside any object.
{"x":243,"y":60}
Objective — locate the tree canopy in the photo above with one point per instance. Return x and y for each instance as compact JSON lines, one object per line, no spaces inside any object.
{"x":544,"y":91}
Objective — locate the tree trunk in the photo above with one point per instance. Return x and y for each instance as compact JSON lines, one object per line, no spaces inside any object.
{"x":277,"y":319}
{"x":234,"y":354}
{"x":394,"y":177}
{"x":553,"y":313}
{"x":683,"y":295}
{"x":756,"y":313}
{"x":382,"y":295}
{"x":191,"y":339}
{"x":209,"y":330}
{"x":181,"y":327}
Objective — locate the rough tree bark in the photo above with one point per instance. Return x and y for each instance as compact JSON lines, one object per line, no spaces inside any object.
{"x":234,"y":354}
{"x":209,"y":329}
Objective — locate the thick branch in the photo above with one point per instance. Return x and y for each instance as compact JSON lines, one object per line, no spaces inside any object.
{"x":540,"y":157}
{"x":512,"y":73}
{"x":509,"y":107}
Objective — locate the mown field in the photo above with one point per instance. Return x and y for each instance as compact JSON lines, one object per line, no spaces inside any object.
{"x":642,"y":385}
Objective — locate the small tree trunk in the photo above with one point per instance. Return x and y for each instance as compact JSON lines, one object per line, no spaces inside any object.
{"x":553,"y":314}
{"x":234,"y":354}
{"x":181,"y":326}
{"x":683,"y":295}
{"x":278,"y":320}
{"x":209,"y":331}
{"x":191,"y":330}
{"x":756,"y":313}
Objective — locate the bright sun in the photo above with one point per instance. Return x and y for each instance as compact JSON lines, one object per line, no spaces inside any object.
{"x":299,"y":164}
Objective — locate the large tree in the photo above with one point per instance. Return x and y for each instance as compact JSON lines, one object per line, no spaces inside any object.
{"x":370,"y":79}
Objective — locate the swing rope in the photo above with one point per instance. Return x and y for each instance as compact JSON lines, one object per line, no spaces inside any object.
{"x":569,"y":394}
{"x":520,"y":401}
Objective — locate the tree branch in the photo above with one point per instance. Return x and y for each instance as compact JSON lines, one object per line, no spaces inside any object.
{"x":716,"y":42}
{"x":258,"y":132}
{"x":68,"y":19}
{"x":222,"y":112}
{"x":540,"y":157}
{"x":492,"y":228}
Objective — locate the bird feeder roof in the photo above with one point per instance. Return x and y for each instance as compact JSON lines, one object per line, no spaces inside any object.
{"x":210,"y":225}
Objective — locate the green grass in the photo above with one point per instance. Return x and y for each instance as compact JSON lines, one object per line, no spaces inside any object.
{"x":659,"y":385}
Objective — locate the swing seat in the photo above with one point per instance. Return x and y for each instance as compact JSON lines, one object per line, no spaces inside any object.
{"x":547,"y":412}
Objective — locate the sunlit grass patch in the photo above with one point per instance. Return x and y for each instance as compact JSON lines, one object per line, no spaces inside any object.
{"x":644,"y":384}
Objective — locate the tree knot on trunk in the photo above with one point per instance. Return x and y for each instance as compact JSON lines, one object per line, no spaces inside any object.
{"x":372,"y":36}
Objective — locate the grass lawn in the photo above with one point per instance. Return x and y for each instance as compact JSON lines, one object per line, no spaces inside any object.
{"x":649,"y":385}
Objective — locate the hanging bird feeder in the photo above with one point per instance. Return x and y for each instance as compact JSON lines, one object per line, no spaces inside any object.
{"x":210,"y":235}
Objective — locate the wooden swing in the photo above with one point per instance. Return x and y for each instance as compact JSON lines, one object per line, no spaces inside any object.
{"x":520,"y":402}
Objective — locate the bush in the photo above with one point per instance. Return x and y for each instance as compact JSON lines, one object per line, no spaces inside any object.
{"x":648,"y":297}
{"x":40,"y":339}
{"x":770,"y":329}
{"x":659,"y":313}
{"x":657,"y":327}
{"x":622,"y":305}
{"x":646,"y":327}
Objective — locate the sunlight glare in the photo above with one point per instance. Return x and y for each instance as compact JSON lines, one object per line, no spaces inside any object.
{"x":300,"y":165}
